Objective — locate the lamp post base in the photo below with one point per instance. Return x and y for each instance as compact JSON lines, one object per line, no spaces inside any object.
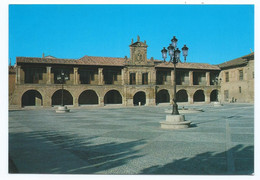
{"x":175,"y":122}
{"x":62,"y":109}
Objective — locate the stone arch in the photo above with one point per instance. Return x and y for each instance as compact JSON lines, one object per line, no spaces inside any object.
{"x":214,"y":95}
{"x":199,"y":96}
{"x":140,"y":96}
{"x":88,"y":97}
{"x":113,"y":97}
{"x":31,"y":98}
{"x":182,"y":96}
{"x":162,"y":96}
{"x":57,"y":97}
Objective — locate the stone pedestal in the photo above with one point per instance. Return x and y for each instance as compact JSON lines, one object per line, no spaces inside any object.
{"x":217,"y":104}
{"x":62,"y":109}
{"x":175,"y":122}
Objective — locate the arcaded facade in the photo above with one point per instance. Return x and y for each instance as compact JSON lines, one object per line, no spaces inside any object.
{"x":100,"y":81}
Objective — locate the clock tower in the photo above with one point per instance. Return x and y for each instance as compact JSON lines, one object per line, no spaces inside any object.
{"x":138,"y":52}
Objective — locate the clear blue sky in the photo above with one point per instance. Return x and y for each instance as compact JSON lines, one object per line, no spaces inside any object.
{"x":213,"y":33}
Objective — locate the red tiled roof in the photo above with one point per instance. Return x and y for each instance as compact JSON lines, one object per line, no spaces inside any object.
{"x":238,"y":61}
{"x":86,"y":60}
{"x":189,"y":66}
{"x":105,"y":61}
{"x":110,"y":61}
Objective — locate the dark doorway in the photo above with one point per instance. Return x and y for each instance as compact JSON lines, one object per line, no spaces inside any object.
{"x":31,"y":98}
{"x":139,"y":97}
{"x":182,"y":96}
{"x":88,"y":97}
{"x":67,"y":98}
{"x":199,"y":96}
{"x":113,"y":97}
{"x":162,"y":96}
{"x":214,"y":95}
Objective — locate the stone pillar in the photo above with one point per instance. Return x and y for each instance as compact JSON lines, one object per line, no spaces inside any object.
{"x":172,"y":77}
{"x":18,"y":75}
{"x":76,"y":76}
{"x":153,"y":77}
{"x":191,"y":78}
{"x":207,"y":79}
{"x":101,"y":101}
{"x":100,"y":77}
{"x":207,"y":98}
{"x":75,"y":102}
{"x":48,"y":70}
{"x":190,"y":98}
{"x":138,"y":79}
{"x":123,"y":76}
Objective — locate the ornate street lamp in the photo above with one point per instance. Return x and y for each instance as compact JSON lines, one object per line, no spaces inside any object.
{"x":174,"y":54}
{"x":62,"y":77}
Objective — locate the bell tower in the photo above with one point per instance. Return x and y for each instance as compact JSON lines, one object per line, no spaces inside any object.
{"x":138,"y":52}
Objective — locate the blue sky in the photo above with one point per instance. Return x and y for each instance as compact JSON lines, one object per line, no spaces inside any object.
{"x":213,"y":33}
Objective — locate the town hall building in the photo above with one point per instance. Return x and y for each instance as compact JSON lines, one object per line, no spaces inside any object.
{"x":101,"y":81}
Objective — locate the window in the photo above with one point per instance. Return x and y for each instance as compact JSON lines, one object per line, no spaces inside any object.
{"x":240,"y":74}
{"x":110,"y":76}
{"x":86,"y":76}
{"x":33,"y":75}
{"x":132,"y":78}
{"x":227,"y":76}
{"x":240,"y":90}
{"x":145,"y":78}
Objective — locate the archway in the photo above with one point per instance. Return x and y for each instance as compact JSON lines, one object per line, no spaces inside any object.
{"x":32,"y":98}
{"x":214,"y":95}
{"x":113,"y":97}
{"x":139,"y":97}
{"x":57,"y":97}
{"x":199,"y":96}
{"x":88,"y":97}
{"x":182,"y":96}
{"x":162,"y":96}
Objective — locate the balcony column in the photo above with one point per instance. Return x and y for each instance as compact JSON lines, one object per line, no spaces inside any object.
{"x":123,"y":76}
{"x":153,"y":77}
{"x":207,"y":79}
{"x":100,"y":76}
{"x":191,"y":78}
{"x":172,"y":77}
{"x":76,"y":76}
{"x":18,"y":75}
{"x":48,"y":70}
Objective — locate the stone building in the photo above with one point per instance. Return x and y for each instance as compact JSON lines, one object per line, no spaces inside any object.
{"x":104,"y":80}
{"x":237,"y":79}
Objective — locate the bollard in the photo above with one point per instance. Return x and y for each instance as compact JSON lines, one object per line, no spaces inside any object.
{"x":139,"y":103}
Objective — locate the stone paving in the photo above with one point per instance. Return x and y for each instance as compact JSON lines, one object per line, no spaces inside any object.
{"x":114,"y":140}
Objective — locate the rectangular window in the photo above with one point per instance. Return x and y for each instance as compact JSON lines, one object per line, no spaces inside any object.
{"x":86,"y":76}
{"x":240,"y":90}
{"x":227,"y":76}
{"x":145,"y":78}
{"x":132,"y":78}
{"x":33,"y":75}
{"x":241,"y":75}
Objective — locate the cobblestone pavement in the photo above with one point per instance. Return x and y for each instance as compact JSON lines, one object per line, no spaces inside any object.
{"x":114,"y":140}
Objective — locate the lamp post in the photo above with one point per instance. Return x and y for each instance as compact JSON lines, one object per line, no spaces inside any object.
{"x":174,"y":54}
{"x":62,"y":77}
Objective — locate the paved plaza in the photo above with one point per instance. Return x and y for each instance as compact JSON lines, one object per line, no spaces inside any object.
{"x":129,"y":140}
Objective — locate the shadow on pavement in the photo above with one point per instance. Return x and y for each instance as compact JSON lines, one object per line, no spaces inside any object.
{"x":36,"y":154}
{"x":209,"y":163}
